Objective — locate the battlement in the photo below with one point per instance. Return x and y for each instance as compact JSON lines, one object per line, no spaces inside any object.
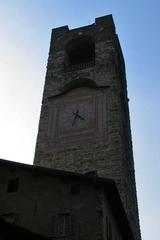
{"x":105,"y":21}
{"x":103,"y":26}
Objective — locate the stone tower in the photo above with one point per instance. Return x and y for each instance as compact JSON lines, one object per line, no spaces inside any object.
{"x":84,"y":124}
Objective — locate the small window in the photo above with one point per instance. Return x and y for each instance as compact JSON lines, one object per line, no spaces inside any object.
{"x":63,"y":224}
{"x":75,"y":189}
{"x":13,"y":185}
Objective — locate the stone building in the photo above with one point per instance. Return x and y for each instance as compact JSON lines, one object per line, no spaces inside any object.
{"x":61,"y":205}
{"x":84,"y":124}
{"x":82,"y":184}
{"x":9,"y":231}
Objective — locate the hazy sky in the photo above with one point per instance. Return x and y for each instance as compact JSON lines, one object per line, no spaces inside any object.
{"x":25,"y":28}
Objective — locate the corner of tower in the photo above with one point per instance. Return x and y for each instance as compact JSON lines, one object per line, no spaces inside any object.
{"x":106,"y":21}
{"x":56,"y":34}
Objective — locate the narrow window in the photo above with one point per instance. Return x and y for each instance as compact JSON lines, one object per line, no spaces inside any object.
{"x":13,"y":185}
{"x":108,"y":230}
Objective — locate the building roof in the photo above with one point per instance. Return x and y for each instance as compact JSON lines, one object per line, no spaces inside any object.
{"x":108,"y":184}
{"x":9,"y":231}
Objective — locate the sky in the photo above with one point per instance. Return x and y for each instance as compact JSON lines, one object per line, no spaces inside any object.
{"x":25,"y":29}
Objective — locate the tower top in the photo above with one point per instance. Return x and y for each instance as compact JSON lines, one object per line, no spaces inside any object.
{"x":103,"y":28}
{"x":84,"y":125}
{"x":104,"y":21}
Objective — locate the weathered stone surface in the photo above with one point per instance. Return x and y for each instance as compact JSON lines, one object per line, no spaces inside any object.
{"x":109,"y":153}
{"x":44,"y":199}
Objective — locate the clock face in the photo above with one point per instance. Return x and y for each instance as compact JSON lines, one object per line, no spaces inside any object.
{"x":75,"y":117}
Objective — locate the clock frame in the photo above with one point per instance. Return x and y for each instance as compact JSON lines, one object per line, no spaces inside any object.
{"x":76,"y":117}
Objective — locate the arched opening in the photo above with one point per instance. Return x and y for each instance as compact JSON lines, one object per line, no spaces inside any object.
{"x":81,"y":82}
{"x":81,"y":51}
{"x":78,"y":83}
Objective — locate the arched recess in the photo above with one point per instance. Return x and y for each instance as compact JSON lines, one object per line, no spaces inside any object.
{"x":80,"y":50}
{"x":81,"y":82}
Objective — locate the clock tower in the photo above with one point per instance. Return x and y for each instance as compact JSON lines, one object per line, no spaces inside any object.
{"x":84,"y":124}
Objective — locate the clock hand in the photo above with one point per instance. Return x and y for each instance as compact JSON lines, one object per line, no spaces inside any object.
{"x":80,"y":117}
{"x":76,"y":114}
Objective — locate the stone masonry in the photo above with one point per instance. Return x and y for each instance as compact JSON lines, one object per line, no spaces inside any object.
{"x":99,"y":85}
